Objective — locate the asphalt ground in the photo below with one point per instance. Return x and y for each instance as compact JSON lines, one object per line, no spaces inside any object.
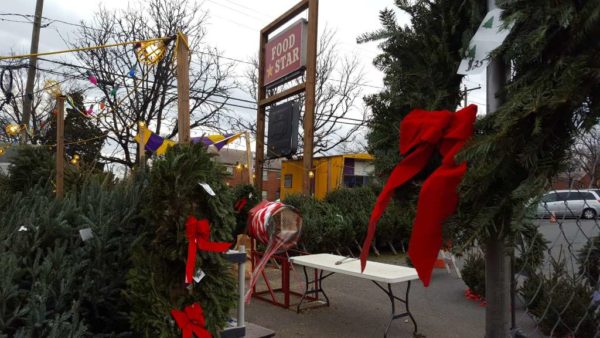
{"x":359,"y":309}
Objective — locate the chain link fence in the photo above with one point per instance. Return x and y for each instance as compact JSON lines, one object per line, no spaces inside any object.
{"x":557,"y":266}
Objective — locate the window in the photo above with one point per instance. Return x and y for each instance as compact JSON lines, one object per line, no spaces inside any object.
{"x":265,"y":175}
{"x":287,"y":181}
{"x":229,"y":170}
{"x":587,"y":196}
{"x":264,"y":194}
{"x":549,"y":197}
{"x":355,"y":181}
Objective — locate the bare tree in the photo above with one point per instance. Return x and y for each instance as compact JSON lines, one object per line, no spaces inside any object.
{"x":150,"y":95}
{"x":338,"y":86}
{"x":14,"y":77}
{"x":586,"y":154}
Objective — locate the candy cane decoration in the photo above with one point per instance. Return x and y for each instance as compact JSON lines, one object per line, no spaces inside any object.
{"x":264,"y":228}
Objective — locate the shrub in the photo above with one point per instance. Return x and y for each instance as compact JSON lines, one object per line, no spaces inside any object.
{"x":473,"y":273}
{"x":589,"y":262}
{"x":324,"y":227}
{"x":561,"y":303}
{"x":54,"y":285}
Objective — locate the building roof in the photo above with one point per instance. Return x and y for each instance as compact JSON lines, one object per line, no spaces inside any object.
{"x":229,"y":156}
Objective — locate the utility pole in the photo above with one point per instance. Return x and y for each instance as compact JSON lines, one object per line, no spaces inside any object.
{"x":35,"y":39}
{"x":497,"y":258}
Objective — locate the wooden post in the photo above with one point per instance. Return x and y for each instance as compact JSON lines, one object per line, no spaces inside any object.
{"x":249,"y":158}
{"x":311,"y":77}
{"x":28,"y":97}
{"x":183,"y":88}
{"x":308,"y":87}
{"x":60,"y":146}
{"x":260,"y":116}
{"x":142,"y":147}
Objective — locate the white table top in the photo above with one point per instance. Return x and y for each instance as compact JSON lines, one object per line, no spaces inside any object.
{"x":380,"y":272}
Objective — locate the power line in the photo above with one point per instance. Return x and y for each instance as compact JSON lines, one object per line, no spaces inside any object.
{"x":200,"y":52}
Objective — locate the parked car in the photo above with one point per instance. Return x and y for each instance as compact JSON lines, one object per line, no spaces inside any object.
{"x":570,"y":203}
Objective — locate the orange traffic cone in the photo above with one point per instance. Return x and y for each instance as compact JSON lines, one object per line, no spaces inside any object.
{"x":552,"y":217}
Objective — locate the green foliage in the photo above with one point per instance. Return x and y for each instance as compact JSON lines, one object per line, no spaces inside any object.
{"x":588,"y":261}
{"x":561,"y":303}
{"x":77,"y":128}
{"x":554,"y":92}
{"x":252,"y":198}
{"x":30,"y":166}
{"x":156,"y":281}
{"x":355,"y":205}
{"x":531,"y":247}
{"x":473,"y":273}
{"x":36,"y":165}
{"x":55,"y":285}
{"x":419,"y":63}
{"x":324,"y":228}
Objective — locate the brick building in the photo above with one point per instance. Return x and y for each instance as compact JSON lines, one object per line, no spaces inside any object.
{"x":235,"y":162}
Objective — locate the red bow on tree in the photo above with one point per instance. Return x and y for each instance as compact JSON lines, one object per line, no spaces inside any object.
{"x":239,"y":205}
{"x":421,"y":132}
{"x":198,"y":235}
{"x":191,"y":320}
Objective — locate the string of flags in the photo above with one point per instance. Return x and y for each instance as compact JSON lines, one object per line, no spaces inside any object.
{"x":159,"y":145}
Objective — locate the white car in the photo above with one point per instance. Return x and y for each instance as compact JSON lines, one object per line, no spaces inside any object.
{"x":570,"y":203}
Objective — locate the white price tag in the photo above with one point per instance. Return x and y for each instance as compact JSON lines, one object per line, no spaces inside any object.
{"x":199,"y":275}
{"x":23,"y":228}
{"x":207,"y":188}
{"x":86,"y":234}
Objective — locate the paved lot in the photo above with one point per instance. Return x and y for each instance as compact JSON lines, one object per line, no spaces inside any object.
{"x":359,"y":309}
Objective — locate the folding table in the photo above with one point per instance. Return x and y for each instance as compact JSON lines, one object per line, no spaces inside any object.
{"x":378,"y":273}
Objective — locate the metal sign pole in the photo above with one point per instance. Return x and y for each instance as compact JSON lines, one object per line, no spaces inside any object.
{"x":497,"y":261}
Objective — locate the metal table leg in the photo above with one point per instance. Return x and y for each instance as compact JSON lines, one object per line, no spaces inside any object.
{"x":316,"y":289}
{"x":393,"y":298}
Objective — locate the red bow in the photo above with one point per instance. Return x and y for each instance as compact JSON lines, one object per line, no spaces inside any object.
{"x":191,"y":319}
{"x":239,"y":205}
{"x":422,"y":131}
{"x":198,"y":235}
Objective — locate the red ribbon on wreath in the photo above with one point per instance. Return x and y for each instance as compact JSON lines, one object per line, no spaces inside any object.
{"x":421,"y":133}
{"x":198,"y":235}
{"x":191,"y":320}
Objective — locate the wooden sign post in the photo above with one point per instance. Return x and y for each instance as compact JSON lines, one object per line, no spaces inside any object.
{"x":183,"y":88}
{"x":283,"y":58}
{"x":60,"y":146}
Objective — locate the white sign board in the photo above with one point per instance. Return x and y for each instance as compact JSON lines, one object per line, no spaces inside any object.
{"x":488,"y":37}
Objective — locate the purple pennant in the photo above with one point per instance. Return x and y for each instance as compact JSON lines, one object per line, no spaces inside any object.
{"x":154,"y":142}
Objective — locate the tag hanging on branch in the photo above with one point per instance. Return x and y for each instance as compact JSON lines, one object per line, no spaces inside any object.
{"x":92,"y":78}
{"x":191,"y":321}
{"x":198,"y":236}
{"x":421,"y":133}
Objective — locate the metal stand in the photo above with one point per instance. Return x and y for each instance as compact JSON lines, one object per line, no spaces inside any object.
{"x":238,"y":258}
{"x":393,"y":298}
{"x":318,"y":288}
{"x":271,"y":294}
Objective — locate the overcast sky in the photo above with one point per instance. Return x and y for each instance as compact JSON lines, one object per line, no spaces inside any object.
{"x":233,"y":27}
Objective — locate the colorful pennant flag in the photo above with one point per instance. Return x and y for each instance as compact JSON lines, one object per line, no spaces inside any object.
{"x":219,"y":141}
{"x":153,"y":142}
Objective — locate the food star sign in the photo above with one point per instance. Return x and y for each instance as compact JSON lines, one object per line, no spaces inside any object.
{"x":285,"y":54}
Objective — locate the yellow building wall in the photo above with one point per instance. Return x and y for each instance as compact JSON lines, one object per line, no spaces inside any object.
{"x":328,"y":174}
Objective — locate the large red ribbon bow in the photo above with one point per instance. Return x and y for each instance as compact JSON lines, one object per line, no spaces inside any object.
{"x":191,"y":320}
{"x":198,"y":235}
{"x":421,"y":132}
